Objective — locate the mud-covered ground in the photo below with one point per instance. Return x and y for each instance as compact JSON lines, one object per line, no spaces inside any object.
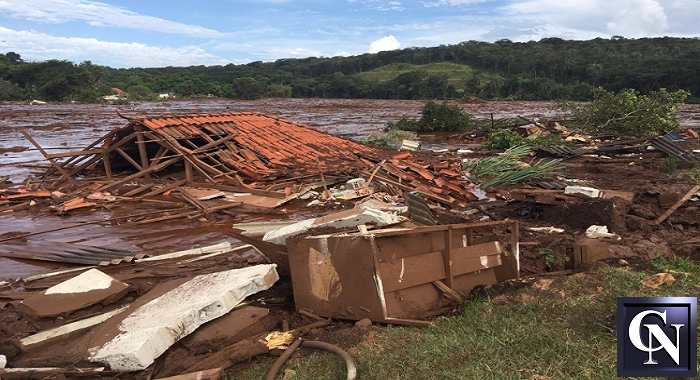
{"x":60,"y":127}
{"x":71,"y":127}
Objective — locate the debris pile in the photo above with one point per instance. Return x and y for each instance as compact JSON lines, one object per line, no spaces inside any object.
{"x":357,"y":233}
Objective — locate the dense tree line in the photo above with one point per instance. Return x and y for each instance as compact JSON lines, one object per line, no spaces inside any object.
{"x":551,"y":68}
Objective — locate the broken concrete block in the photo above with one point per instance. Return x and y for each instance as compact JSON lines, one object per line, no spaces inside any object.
{"x":344,"y":219}
{"x":86,"y":289}
{"x":587,"y":191}
{"x":600,"y":232}
{"x":164,"y":316}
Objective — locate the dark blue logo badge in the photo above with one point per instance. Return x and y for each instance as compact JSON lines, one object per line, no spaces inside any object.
{"x":657,"y":336}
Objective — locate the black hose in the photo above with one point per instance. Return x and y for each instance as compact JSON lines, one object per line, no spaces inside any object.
{"x":272,"y":372}
{"x":349,"y":362}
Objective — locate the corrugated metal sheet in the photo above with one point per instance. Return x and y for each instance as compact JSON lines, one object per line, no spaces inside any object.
{"x":674,"y":150}
{"x":70,"y":254}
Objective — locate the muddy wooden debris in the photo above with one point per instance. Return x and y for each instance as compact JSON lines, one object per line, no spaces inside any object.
{"x":303,"y":232}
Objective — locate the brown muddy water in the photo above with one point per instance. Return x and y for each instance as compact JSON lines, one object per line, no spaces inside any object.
{"x":72,"y":127}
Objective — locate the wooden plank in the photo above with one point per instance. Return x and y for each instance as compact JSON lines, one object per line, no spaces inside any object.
{"x":215,"y":143}
{"x":53,"y":163}
{"x":76,"y":153}
{"x":103,"y":155}
{"x":138,"y":189}
{"x":140,"y":174}
{"x":128,"y":158}
{"x":428,"y":267}
{"x":209,"y":374}
{"x":191,"y":199}
{"x":165,"y":188}
{"x":478,"y":250}
{"x":474,"y":264}
{"x":52,"y":372}
{"x":677,"y":205}
{"x":411,"y":271}
{"x":169,"y":217}
{"x":449,"y":293}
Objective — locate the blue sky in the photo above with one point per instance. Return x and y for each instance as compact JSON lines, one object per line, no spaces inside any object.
{"x":156,"y":33}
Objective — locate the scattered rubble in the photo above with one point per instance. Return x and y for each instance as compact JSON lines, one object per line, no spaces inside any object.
{"x":355,"y":233}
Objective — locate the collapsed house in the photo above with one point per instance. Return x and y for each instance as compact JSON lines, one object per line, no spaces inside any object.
{"x":198,"y":165}
{"x":228,"y":149}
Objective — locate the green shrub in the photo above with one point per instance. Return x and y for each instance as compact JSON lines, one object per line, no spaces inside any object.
{"x":402,"y":124}
{"x":670,"y":165}
{"x":502,"y":139}
{"x":436,"y":118}
{"x":627,"y":113}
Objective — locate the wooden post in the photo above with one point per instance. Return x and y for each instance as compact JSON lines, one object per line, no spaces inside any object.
{"x":188,"y":172}
{"x":108,"y":165}
{"x":515,"y":245}
{"x":447,"y":257}
{"x":677,"y":205}
{"x":142,"y":147}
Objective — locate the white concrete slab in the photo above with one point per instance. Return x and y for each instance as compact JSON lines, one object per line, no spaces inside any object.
{"x":343,"y":219}
{"x":154,"y":326}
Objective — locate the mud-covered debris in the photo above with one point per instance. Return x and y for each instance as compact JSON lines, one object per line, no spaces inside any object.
{"x":601,"y":232}
{"x":170,"y":312}
{"x":85,"y":289}
{"x":656,"y":280}
{"x":343,"y":219}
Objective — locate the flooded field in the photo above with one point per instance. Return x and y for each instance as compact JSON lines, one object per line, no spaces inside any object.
{"x":70,"y":127}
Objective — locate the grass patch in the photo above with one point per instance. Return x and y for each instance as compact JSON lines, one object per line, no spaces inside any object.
{"x":692,"y":173}
{"x":457,"y":75}
{"x":566,"y":333}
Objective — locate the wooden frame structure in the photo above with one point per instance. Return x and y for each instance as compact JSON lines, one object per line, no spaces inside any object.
{"x":399,"y":275}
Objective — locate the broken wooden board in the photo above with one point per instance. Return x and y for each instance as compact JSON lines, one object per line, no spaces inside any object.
{"x":551,"y":197}
{"x":88,"y":288}
{"x":47,"y":335}
{"x":235,"y":326}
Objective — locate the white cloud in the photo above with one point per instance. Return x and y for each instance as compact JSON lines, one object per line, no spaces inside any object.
{"x":647,"y":17}
{"x":453,"y":3}
{"x":628,"y":18}
{"x":95,"y":13}
{"x":293,"y":53}
{"x":35,"y":46}
{"x":383,"y":44}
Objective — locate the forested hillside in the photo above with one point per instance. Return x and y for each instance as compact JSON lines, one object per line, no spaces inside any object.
{"x":551,"y":68}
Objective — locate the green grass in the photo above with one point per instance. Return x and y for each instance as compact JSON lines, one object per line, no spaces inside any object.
{"x":563,"y":337}
{"x":693,"y":173}
{"x":457,"y":74}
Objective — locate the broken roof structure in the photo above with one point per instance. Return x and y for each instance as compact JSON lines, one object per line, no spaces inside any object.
{"x":234,"y":149}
